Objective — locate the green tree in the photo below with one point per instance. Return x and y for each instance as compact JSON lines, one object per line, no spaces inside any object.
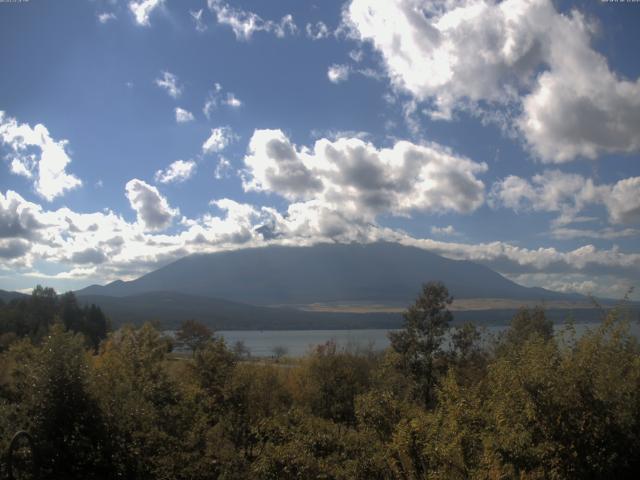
{"x":528,"y":323}
{"x":141,"y":404}
{"x":64,"y":417}
{"x":194,"y":334}
{"x":419,"y":342}
{"x":330,"y":379}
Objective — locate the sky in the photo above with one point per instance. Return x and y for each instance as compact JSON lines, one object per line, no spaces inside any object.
{"x":133,"y":133}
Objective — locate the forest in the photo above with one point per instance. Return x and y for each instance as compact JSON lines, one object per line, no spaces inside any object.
{"x":443,"y":401}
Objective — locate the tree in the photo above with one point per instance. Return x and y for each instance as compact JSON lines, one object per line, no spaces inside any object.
{"x":66,"y":421}
{"x":528,"y":323}
{"x":330,"y":379}
{"x":241,"y":350}
{"x":425,"y":323}
{"x":40,"y":311}
{"x":194,"y":334}
{"x":279,"y":351}
{"x":89,"y":320}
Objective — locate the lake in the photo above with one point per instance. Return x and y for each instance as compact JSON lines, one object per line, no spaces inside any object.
{"x":298,"y":342}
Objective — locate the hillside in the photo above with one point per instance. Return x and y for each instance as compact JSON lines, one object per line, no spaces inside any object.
{"x":382,"y":273}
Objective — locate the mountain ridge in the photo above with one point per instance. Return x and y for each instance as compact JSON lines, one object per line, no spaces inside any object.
{"x":379,"y":272}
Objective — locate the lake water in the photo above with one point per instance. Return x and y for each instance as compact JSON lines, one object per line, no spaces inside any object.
{"x":298,"y":342}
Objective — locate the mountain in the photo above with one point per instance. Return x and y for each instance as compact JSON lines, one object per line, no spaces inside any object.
{"x":6,"y":296}
{"x":383,"y":273}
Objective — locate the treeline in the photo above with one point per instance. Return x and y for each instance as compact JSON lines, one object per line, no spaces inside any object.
{"x":526,"y":404}
{"x":32,"y":316}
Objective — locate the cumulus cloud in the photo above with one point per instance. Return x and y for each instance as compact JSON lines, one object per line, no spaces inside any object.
{"x":169,"y":82}
{"x":458,"y":54}
{"x":623,"y":202}
{"x":245,"y":23}
{"x":183,"y":116}
{"x":89,"y":255}
{"x":341,"y":186}
{"x":514,"y":260}
{"x":219,"y":139}
{"x":177,"y":172}
{"x":18,"y":218}
{"x":551,"y":191}
{"x":446,"y":52}
{"x":338,"y":73}
{"x":142,"y":10}
{"x":152,"y":209}
{"x":84,"y":240}
{"x":568,"y":194}
{"x":34,"y":154}
{"x":13,"y":248}
{"x":579,"y":107}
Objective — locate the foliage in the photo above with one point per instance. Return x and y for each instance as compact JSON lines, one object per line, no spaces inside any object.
{"x":419,"y":342}
{"x":33,"y":316}
{"x":193,"y":334}
{"x":439,"y":404}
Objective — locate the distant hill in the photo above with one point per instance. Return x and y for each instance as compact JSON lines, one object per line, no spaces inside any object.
{"x":6,"y":296}
{"x":384,"y":273}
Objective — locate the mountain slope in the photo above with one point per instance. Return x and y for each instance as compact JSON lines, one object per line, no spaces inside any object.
{"x":6,"y":296}
{"x":380,"y":272}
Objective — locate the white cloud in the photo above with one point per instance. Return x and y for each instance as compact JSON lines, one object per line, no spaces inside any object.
{"x":18,"y":218}
{"x":568,"y":194}
{"x":513,"y":260}
{"x":169,"y":82}
{"x":215,"y":97}
{"x":152,"y":209}
{"x":232,"y":101}
{"x":219,"y":139}
{"x":454,"y":55}
{"x":350,"y":182}
{"x":623,"y":202}
{"x":222,"y":168}
{"x":245,"y":23}
{"x":210,"y":105}
{"x":106,"y":17}
{"x":338,"y":73}
{"x":13,"y":248}
{"x":607,"y":286}
{"x":142,"y":9}
{"x":177,"y":172}
{"x":317,"y":31}
{"x":447,"y":52}
{"x":579,"y":107}
{"x":35,"y":155}
{"x":84,"y":240}
{"x":196,"y":16}
{"x":551,"y":191}
{"x":183,"y":116}
{"x":564,"y":233}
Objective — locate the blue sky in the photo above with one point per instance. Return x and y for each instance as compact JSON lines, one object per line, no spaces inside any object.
{"x":136,"y":132}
